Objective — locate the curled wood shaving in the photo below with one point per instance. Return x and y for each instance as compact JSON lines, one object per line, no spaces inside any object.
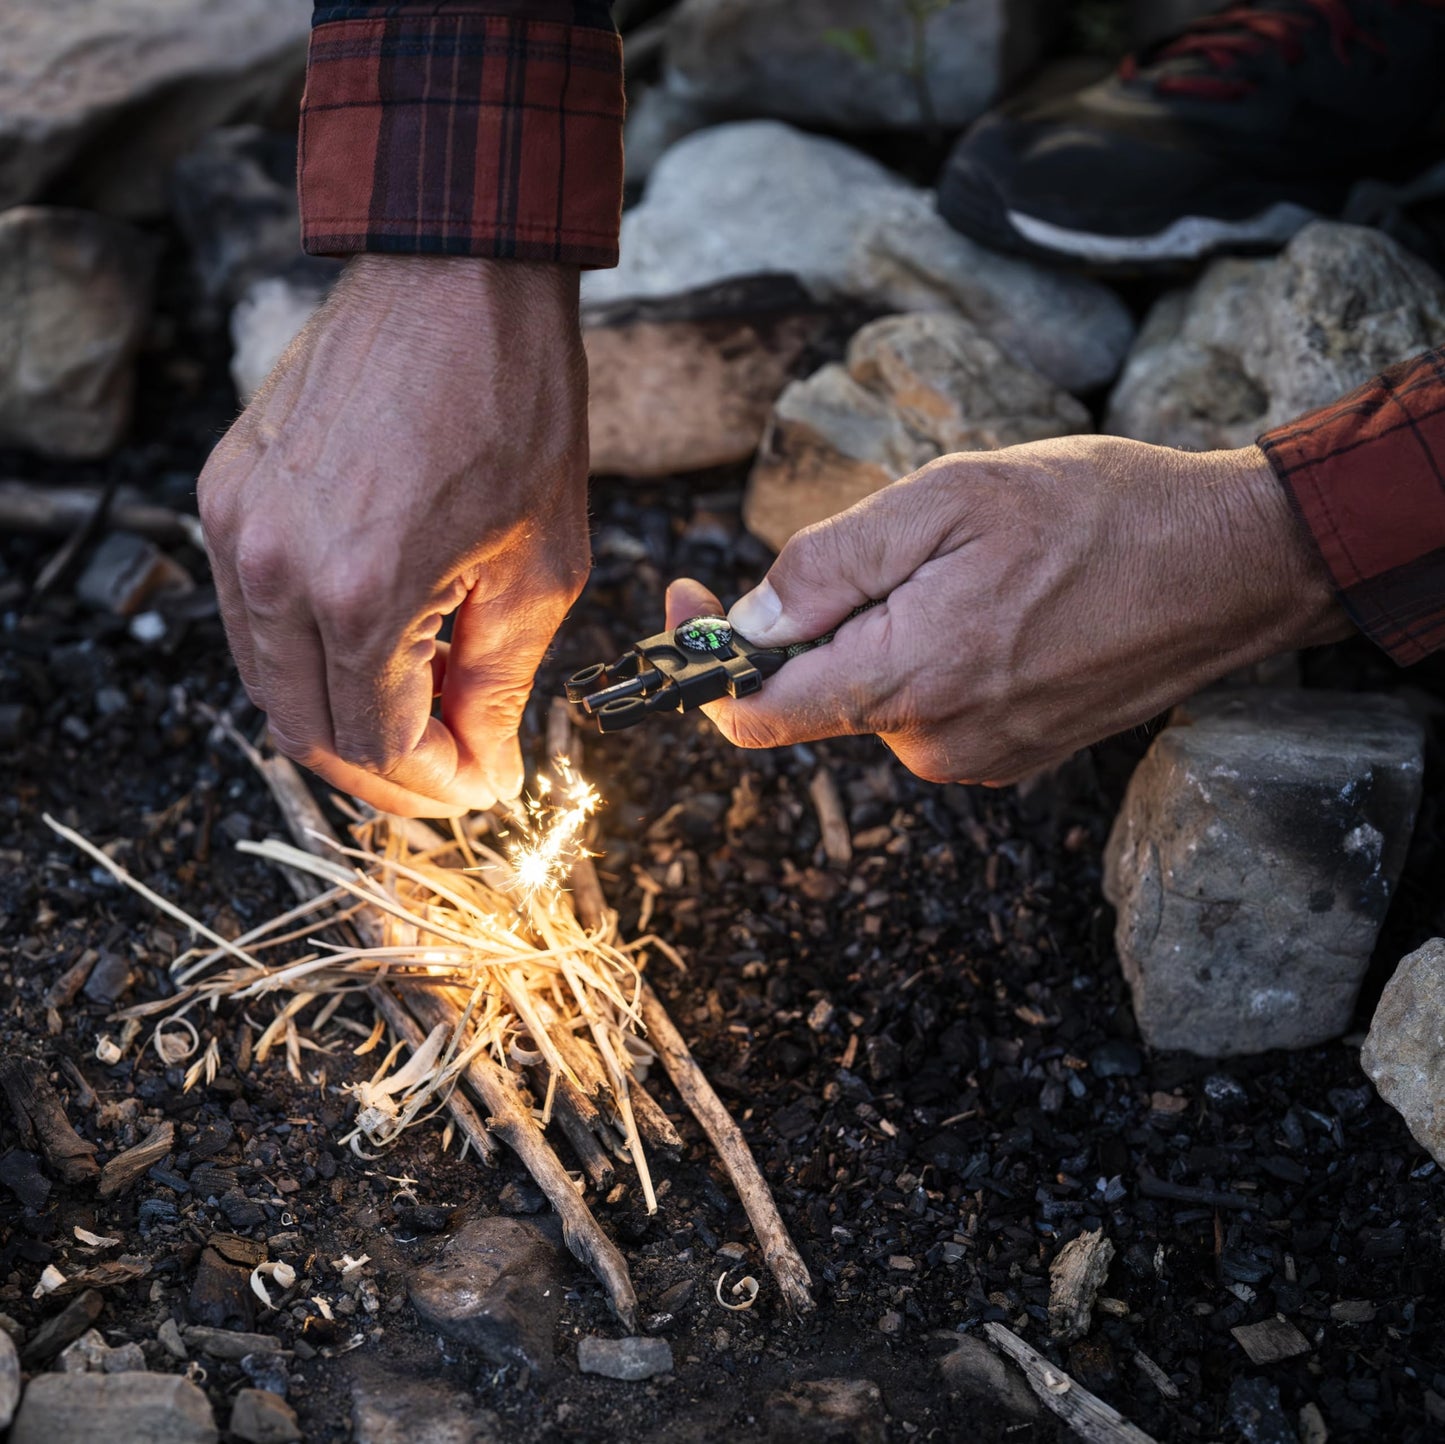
{"x":283,"y":1274}
{"x":747,"y":1285}
{"x":94,"y":1240}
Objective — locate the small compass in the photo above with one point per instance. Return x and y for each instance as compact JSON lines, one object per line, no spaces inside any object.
{"x":709,"y":635}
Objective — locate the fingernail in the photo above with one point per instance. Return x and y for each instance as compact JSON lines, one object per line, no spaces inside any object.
{"x":511,"y":772}
{"x":757,"y":615}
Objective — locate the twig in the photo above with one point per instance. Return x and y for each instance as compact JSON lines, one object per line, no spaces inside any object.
{"x":61,"y":510}
{"x":1086,"y":1414}
{"x":726,"y":1137}
{"x":837,"y":840}
{"x":1151,"y":1186}
{"x":80,"y":537}
{"x":779,"y":1250}
{"x":125,"y":1168}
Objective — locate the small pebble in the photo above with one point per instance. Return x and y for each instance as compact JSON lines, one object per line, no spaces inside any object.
{"x":1116,"y":1059}
{"x":629,"y":1359}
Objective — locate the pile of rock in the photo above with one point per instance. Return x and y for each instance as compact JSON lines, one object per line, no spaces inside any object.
{"x":97,"y":103}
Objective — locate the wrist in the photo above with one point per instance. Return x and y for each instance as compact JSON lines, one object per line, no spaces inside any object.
{"x":1279,"y":564}
{"x":459,"y":309}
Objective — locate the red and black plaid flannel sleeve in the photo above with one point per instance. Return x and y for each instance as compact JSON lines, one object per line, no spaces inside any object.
{"x":1367,"y":477}
{"x":491,"y":128}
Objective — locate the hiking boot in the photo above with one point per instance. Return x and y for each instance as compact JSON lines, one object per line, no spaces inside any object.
{"x":1229,"y":135}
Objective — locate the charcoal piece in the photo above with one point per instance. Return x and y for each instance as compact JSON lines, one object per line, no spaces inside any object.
{"x":65,"y":1328}
{"x":209,"y":1181}
{"x":242,"y":1212}
{"x":20,"y":1173}
{"x":221,"y":1294}
{"x":108,"y":979}
{"x":212,"y":1140}
{"x":41,"y":1121}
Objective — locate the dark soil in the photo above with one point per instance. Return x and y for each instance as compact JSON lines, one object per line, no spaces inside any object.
{"x":932,"y":1055}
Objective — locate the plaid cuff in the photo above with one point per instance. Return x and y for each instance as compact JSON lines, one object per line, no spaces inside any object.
{"x":491,"y":129}
{"x":1367,"y":477}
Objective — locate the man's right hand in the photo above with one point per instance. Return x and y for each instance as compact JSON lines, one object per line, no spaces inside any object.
{"x":420,"y":449}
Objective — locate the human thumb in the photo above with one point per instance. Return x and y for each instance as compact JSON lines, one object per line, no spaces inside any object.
{"x":823,"y":573}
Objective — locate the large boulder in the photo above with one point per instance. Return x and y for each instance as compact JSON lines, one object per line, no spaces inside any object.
{"x":1257,"y":343}
{"x":104,"y":95}
{"x":75,"y":293}
{"x":852,"y":64}
{"x":1253,"y":860}
{"x":915,"y":387}
{"x":688,"y":382}
{"x":760,"y":196}
{"x":1404,"y":1053}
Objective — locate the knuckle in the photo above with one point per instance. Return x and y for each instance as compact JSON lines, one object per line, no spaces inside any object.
{"x":263,"y":568}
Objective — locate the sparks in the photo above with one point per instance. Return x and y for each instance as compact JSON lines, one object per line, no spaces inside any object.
{"x":551,"y":831}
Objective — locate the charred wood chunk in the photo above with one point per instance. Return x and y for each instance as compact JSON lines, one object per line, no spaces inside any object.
{"x":40,"y":1118}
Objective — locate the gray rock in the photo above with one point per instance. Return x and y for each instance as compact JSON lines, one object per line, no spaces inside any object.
{"x":496,"y":1286}
{"x":389,"y":1408}
{"x":234,"y":198}
{"x":1404,"y":1054}
{"x":90,"y":1354}
{"x":124,"y":573}
{"x":105,"y":1408}
{"x":1075,"y":331}
{"x":9,"y":1379}
{"x":829,"y":1409}
{"x":851,"y":64}
{"x":972,"y":1370}
{"x":228,"y":1343}
{"x":915,"y":387}
{"x":261,"y":1417}
{"x":106,"y":94}
{"x":758,"y":196}
{"x":75,"y":292}
{"x":1255,"y":344}
{"x":264,"y":323}
{"x":632,"y":1358}
{"x":688,"y":382}
{"x":1252,"y":862}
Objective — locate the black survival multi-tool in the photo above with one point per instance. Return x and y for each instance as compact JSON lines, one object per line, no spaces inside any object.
{"x":676,"y":671}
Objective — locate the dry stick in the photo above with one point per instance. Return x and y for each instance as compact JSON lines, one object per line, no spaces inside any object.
{"x":59,"y":510}
{"x":832,"y":820}
{"x":652,"y":1123}
{"x":577,"y":1116}
{"x":1086,"y":1414}
{"x":510,"y":1120}
{"x":782,"y":1255}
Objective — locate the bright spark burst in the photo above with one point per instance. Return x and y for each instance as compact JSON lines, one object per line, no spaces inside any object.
{"x":551,"y":826}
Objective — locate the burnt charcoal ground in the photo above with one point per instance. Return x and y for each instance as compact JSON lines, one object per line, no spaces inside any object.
{"x":931,"y":1053}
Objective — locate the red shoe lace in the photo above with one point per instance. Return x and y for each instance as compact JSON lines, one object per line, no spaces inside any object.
{"x":1220,"y":42}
